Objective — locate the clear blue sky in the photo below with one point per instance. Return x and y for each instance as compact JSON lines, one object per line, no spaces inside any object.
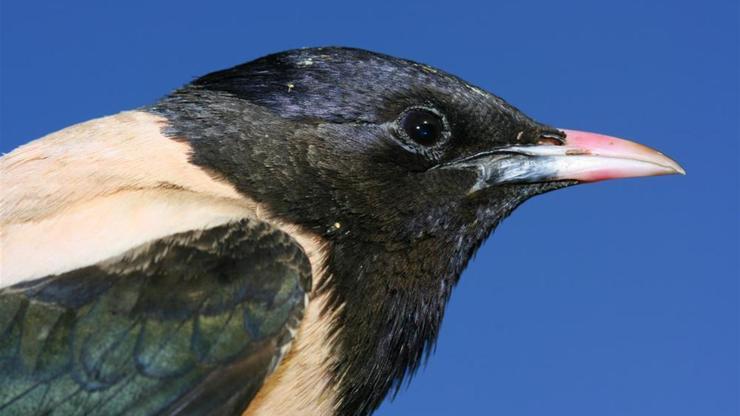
{"x":616,"y":298}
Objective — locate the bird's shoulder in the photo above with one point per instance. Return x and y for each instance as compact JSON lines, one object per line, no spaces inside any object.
{"x":93,"y":190}
{"x":102,"y":156}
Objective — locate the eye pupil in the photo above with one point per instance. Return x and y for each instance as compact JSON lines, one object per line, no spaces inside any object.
{"x":423,"y":126}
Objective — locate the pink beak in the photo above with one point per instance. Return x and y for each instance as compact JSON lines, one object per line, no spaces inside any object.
{"x":590,"y":157}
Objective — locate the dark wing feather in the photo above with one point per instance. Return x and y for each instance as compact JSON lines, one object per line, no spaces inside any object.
{"x":189,"y":324}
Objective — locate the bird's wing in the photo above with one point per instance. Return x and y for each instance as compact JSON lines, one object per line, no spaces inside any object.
{"x":190,"y":324}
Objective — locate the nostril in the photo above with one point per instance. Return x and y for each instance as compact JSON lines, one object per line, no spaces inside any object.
{"x":546,"y":140}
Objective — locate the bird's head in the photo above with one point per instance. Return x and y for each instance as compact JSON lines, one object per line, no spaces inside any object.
{"x":401,"y":168}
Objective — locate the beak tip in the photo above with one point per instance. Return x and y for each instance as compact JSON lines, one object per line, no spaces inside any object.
{"x":674,"y":166}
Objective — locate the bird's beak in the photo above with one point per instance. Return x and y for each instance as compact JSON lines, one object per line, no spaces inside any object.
{"x":579,"y":156}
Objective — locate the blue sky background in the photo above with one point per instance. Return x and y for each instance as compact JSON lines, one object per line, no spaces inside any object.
{"x":617,"y":298}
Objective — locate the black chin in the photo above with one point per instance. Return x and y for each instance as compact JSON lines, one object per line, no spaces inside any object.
{"x":538,"y":188}
{"x":505,"y":198}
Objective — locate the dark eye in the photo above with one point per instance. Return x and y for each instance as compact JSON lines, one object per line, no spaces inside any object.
{"x":423,"y":126}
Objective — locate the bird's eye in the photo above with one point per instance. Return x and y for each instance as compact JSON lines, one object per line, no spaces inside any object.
{"x":423,"y":126}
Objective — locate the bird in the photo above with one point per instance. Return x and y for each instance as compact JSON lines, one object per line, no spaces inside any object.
{"x":276,"y":238}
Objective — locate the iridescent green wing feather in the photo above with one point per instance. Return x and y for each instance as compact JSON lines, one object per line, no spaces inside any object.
{"x":189,"y":324}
